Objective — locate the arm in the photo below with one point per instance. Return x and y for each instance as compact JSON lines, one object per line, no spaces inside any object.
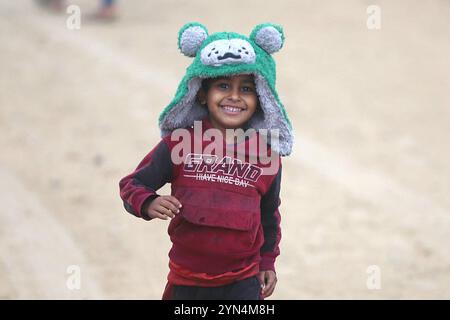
{"x":138,"y":189}
{"x":270,"y":220}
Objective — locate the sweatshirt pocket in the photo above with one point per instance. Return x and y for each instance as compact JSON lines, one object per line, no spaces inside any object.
{"x":219,"y":208}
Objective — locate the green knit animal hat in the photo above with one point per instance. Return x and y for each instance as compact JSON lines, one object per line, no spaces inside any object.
{"x":226,"y":54}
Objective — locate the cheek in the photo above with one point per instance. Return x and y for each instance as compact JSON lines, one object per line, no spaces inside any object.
{"x":252,"y":103}
{"x":213,"y":96}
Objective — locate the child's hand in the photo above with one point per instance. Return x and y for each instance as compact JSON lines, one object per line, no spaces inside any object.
{"x":268,"y":280}
{"x":163,"y":207}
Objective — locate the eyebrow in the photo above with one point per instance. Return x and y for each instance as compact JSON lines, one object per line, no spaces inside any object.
{"x":246,"y":80}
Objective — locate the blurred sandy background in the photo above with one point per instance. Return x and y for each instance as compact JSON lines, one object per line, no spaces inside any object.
{"x":367,"y":185}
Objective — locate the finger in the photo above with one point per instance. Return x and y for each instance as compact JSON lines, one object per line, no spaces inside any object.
{"x":266,"y":280}
{"x":270,"y":286}
{"x":157,"y":214}
{"x":260,"y":277}
{"x":174,"y":201}
{"x":167,"y":204}
{"x":163,"y":210}
{"x":268,"y":292}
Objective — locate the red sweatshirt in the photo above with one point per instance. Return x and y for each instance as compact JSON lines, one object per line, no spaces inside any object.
{"x":229,"y":217}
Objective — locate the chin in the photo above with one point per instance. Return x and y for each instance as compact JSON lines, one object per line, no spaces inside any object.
{"x":233,"y":124}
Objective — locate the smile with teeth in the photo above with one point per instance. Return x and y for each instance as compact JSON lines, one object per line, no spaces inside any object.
{"x":231,"y":109}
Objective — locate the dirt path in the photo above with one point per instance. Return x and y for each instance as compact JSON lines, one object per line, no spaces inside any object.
{"x":38,"y":249}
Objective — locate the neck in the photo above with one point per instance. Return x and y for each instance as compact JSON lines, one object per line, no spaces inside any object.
{"x":229,"y":139}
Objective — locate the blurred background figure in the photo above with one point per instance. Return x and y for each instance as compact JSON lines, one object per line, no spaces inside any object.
{"x":107,"y":10}
{"x":53,"y":5}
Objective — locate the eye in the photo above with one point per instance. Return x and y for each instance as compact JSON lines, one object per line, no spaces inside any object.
{"x":247,"y":89}
{"x":223,"y":85}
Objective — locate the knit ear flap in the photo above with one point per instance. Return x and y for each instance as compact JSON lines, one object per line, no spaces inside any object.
{"x":268,"y":36}
{"x":191,"y":37}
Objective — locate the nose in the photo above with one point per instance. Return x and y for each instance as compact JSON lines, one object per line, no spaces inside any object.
{"x":234,"y":94}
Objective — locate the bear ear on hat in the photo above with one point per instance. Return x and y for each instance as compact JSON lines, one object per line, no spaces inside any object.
{"x":269,"y":36}
{"x":191,"y":37}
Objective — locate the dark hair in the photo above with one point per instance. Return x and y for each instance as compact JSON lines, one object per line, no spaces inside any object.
{"x":206,"y":84}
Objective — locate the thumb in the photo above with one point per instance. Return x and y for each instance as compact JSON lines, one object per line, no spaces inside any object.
{"x":261,"y":278}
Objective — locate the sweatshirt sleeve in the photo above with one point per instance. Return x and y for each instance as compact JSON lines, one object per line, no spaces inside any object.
{"x":140,"y":186}
{"x":270,"y":220}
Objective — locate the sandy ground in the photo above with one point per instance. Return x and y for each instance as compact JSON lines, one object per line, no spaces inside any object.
{"x":367,"y":184}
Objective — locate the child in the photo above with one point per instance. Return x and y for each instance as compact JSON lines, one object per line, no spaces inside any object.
{"x":107,"y":11}
{"x":225,"y":223}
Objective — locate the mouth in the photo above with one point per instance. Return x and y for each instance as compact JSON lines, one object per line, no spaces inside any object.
{"x":229,"y":55}
{"x":232,"y":110}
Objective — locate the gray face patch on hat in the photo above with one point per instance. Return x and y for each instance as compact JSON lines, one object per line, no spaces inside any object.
{"x":230,"y":51}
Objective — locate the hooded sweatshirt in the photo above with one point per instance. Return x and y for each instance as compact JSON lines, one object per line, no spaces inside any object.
{"x":229,"y":218}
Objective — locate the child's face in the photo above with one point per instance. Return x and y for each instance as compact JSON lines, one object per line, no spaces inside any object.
{"x":231,"y":101}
